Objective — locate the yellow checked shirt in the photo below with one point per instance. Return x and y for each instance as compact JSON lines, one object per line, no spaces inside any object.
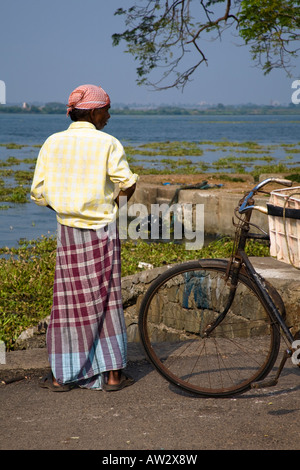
{"x":75,"y":174}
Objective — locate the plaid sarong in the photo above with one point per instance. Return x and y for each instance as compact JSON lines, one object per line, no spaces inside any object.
{"x":86,"y":335}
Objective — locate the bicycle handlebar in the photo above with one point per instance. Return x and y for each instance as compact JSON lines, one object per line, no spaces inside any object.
{"x":244,"y":207}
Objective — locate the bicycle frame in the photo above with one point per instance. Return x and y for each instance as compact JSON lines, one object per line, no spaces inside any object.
{"x":257,"y":279}
{"x":240,"y":259}
{"x":261,"y":289}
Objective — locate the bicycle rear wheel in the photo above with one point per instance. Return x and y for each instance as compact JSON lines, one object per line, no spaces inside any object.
{"x":177,"y":310}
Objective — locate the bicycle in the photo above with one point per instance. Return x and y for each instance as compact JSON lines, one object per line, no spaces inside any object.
{"x":212,"y":326}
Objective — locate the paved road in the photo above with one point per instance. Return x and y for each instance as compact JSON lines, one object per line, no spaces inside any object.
{"x":151,"y":415}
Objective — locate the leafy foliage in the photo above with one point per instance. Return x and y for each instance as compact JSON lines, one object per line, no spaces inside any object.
{"x":26,"y":283}
{"x":161,"y":34}
{"x":271,"y":28}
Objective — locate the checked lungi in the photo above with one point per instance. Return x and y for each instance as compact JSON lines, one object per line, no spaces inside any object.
{"x":86,"y":335}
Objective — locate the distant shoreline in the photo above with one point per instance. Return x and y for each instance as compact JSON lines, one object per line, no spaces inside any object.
{"x":218,"y":110}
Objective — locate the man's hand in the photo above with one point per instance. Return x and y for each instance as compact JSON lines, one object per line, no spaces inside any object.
{"x":126,"y":193}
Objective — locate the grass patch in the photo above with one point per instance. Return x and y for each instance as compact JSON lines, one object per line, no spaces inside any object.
{"x":27,"y":275}
{"x":17,"y":195}
{"x":26,"y":282}
{"x":226,"y":143}
{"x":276,"y":168}
{"x":294,"y":177}
{"x":175,"y":149}
{"x":234,"y":179}
{"x":13,"y":146}
{"x":16,"y":186}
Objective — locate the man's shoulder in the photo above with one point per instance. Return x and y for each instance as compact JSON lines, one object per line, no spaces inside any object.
{"x":87,"y":134}
{"x":106,"y":136}
{"x":56,"y":135}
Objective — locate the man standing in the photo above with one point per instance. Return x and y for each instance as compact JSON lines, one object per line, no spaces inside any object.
{"x":75,"y":175}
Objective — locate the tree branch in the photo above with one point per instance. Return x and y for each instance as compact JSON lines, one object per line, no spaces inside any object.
{"x":159,"y":33}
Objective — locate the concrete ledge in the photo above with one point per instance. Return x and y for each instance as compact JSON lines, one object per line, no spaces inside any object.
{"x":34,"y":362}
{"x":286,"y":279}
{"x":219,"y":204}
{"x":219,"y":210}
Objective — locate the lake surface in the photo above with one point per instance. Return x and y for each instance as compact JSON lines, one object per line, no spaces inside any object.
{"x":30,"y":221}
{"x":34,"y":129}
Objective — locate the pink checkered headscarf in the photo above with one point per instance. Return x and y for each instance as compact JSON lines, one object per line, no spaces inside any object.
{"x":88,"y":97}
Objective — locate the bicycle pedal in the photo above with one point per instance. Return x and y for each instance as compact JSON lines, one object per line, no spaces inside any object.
{"x":264,"y":383}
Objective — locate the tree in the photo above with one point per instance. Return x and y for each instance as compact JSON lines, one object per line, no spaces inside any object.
{"x":161,"y":33}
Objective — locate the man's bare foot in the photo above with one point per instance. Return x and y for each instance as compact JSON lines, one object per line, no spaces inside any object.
{"x":116,"y":380}
{"x":114,"y":377}
{"x":50,"y":382}
{"x":55,"y":383}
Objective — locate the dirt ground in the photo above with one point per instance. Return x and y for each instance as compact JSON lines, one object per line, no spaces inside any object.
{"x":151,"y":416}
{"x":231,"y":186}
{"x":195,"y":178}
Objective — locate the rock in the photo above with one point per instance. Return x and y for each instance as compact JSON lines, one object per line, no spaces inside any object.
{"x":34,"y":337}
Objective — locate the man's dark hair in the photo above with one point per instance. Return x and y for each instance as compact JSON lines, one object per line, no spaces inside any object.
{"x":79,"y":114}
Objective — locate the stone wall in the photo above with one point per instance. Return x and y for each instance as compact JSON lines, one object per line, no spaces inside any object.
{"x":285,"y":279}
{"x":133,"y":290}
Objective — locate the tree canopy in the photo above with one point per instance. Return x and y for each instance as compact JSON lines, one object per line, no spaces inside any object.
{"x":160,"y":34}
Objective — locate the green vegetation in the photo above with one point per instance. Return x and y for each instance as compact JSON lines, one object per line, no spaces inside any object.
{"x":217,"y":110}
{"x":257,"y":158}
{"x":167,"y":157}
{"x":12,"y":145}
{"x":27,"y":275}
{"x":48,"y":108}
{"x":175,"y":148}
{"x":14,"y":183}
{"x":26,"y":278}
{"x":18,"y":195}
{"x":294,"y":177}
{"x":159,"y":254}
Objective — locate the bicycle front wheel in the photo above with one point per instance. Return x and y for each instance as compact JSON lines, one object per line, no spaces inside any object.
{"x":174,"y":319}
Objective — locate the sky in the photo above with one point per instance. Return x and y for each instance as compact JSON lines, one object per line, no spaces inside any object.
{"x":48,"y":48}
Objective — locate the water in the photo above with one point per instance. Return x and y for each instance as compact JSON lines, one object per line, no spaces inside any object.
{"x":30,"y":221}
{"x":34,"y":129}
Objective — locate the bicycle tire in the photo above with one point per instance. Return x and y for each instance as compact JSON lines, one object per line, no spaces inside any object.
{"x":174,"y":313}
